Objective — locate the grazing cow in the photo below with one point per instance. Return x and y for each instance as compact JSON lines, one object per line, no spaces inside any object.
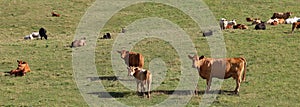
{"x":211,"y":67}
{"x":55,"y":14}
{"x":78,"y":43}
{"x":207,"y":33}
{"x":143,"y":79}
{"x":260,"y":26}
{"x":132,"y":58}
{"x":22,"y":69}
{"x":292,"y":20}
{"x":42,"y":33}
{"x":106,"y":36}
{"x":240,"y":26}
{"x":295,"y":25}
{"x":281,"y":15}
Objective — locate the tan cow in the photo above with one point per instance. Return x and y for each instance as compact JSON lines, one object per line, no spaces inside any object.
{"x":132,"y":58}
{"x":143,"y":79}
{"x":211,"y":67}
{"x":22,"y":69}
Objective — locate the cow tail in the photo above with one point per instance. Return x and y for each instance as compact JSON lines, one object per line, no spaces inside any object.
{"x":245,"y":69}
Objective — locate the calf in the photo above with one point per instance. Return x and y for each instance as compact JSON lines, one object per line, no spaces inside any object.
{"x":220,"y":68}
{"x":295,"y":25}
{"x":22,"y":69}
{"x":132,"y":58}
{"x":143,"y":78}
{"x":260,"y":26}
{"x":42,"y":33}
{"x":78,"y":43}
{"x":281,"y":15}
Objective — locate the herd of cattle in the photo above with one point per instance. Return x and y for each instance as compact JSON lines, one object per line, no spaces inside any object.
{"x":277,"y":18}
{"x":208,"y":68}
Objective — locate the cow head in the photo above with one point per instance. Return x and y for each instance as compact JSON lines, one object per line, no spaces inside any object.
{"x":123,"y":53}
{"x":131,"y":70}
{"x":197,"y":61}
{"x":21,"y":64}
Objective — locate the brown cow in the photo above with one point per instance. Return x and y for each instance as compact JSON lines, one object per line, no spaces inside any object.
{"x":211,"y":67}
{"x":295,"y":25}
{"x":22,"y":69}
{"x":281,"y":15}
{"x":132,"y":58}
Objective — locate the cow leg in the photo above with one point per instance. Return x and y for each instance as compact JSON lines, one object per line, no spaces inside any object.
{"x":238,"y":83}
{"x":196,"y":90}
{"x":148,"y":88}
{"x":208,"y":83}
{"x":137,"y":87}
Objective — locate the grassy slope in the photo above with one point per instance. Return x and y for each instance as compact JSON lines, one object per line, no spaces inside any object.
{"x":272,"y":54}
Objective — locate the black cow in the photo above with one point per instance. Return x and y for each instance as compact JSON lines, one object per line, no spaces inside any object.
{"x":260,"y":26}
{"x":106,"y":36}
{"x":42,"y":33}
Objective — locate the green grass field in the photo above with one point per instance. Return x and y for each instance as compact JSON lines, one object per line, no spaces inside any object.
{"x":273,"y":60}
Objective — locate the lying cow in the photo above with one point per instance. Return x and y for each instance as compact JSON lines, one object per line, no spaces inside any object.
{"x":132,"y":58}
{"x":295,"y":25}
{"x":32,"y":36}
{"x":240,"y":26}
{"x":281,"y":15}
{"x":55,"y":14}
{"x":22,"y":69}
{"x":260,"y":26}
{"x":78,"y":43}
{"x":211,"y":67}
{"x":292,"y":20}
{"x":143,"y":79}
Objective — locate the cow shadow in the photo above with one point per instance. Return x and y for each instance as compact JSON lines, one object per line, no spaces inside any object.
{"x":158,"y":92}
{"x":108,"y":78}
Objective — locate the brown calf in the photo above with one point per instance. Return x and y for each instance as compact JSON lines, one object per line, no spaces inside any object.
{"x":132,"y":58}
{"x":295,"y":25}
{"x":143,"y":78}
{"x":211,"y":67}
{"x":22,"y":69}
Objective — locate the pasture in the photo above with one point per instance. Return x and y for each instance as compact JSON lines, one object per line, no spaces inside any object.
{"x":272,"y":54}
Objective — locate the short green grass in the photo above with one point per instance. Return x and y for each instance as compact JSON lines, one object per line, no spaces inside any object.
{"x":273,"y":60}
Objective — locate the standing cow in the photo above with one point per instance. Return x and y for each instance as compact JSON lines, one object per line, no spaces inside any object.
{"x":132,"y":58}
{"x":220,"y":68}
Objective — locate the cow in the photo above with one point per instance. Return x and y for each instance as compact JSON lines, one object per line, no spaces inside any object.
{"x":273,"y":21}
{"x":78,"y":43}
{"x":281,"y":15}
{"x":222,"y":68}
{"x":32,"y":36}
{"x":292,"y":20}
{"x":42,"y":33}
{"x":240,"y":26}
{"x":295,"y":25}
{"x":256,"y":21}
{"x":21,"y":70}
{"x":143,"y":79}
{"x":207,"y":33}
{"x":132,"y":58}
{"x":106,"y":36}
{"x":223,"y":23}
{"x":55,"y":14}
{"x":260,"y":26}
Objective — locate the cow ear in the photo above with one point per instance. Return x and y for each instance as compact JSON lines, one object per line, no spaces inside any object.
{"x":201,"y":57}
{"x":119,"y":51}
{"x":18,"y":61}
